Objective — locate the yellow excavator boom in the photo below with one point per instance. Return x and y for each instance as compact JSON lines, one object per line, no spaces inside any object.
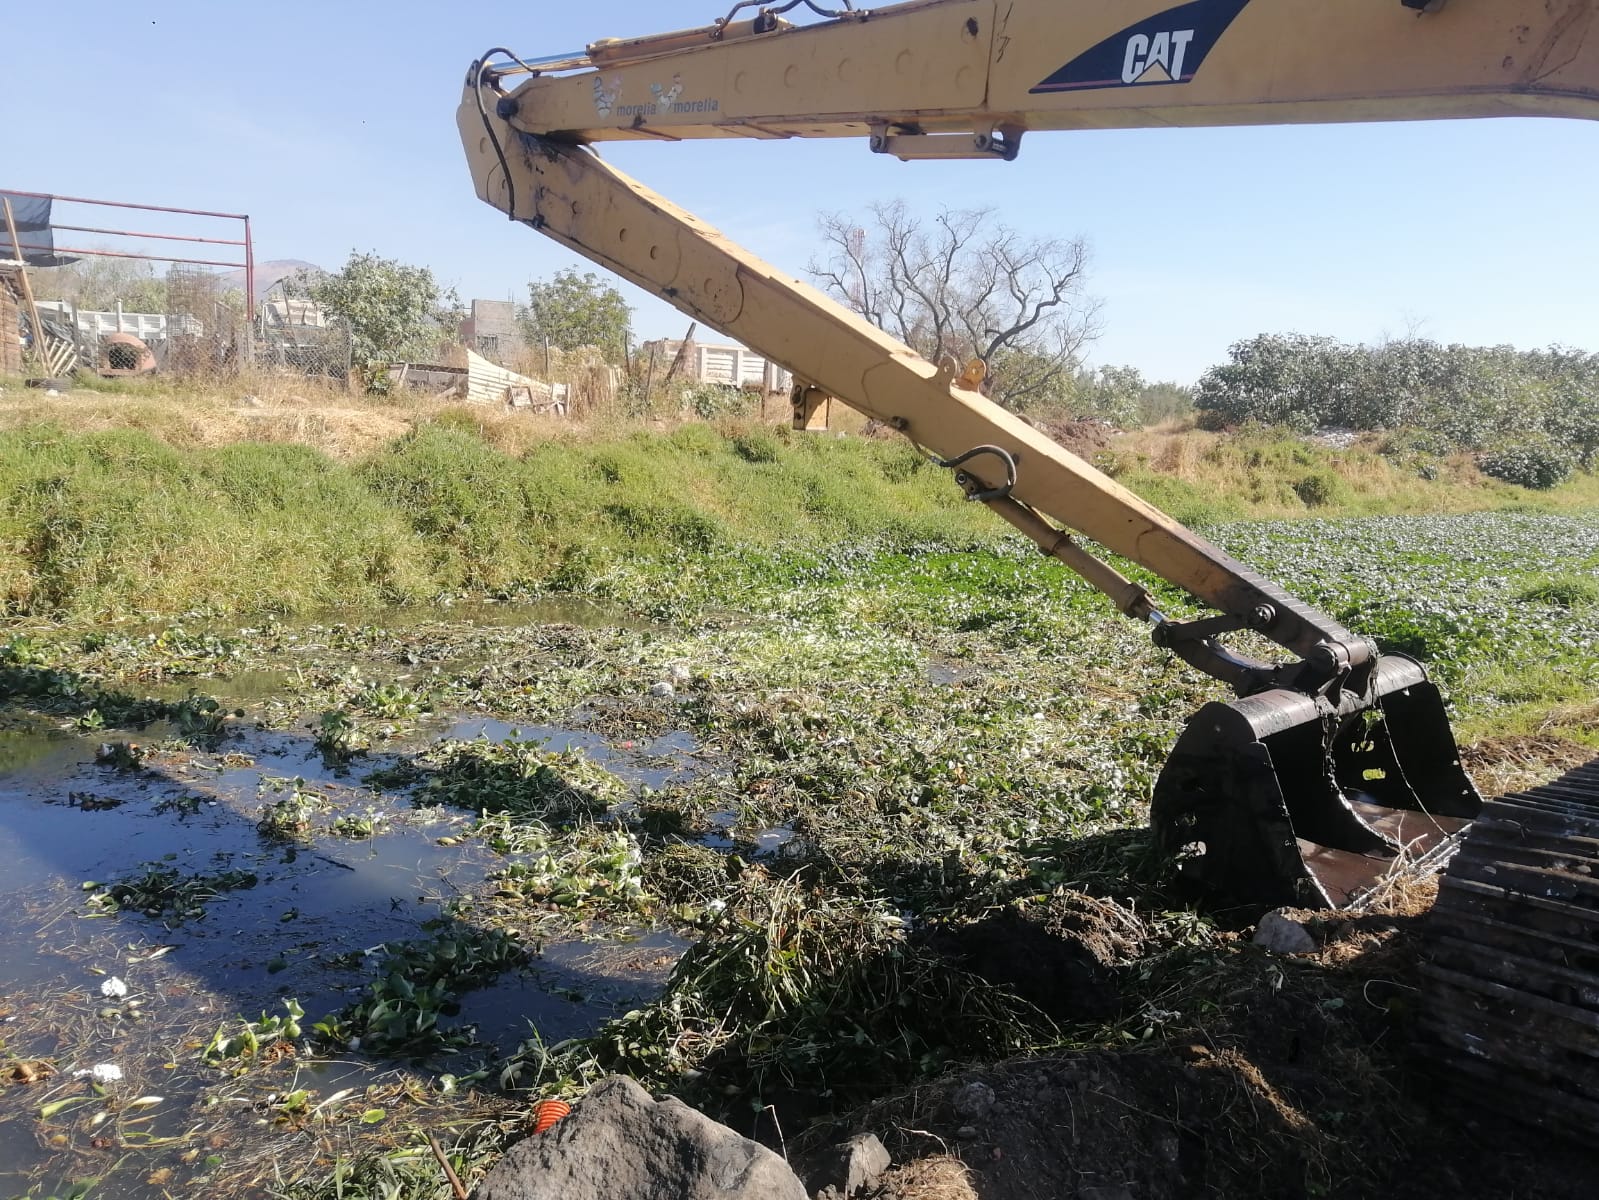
{"x":969,"y":77}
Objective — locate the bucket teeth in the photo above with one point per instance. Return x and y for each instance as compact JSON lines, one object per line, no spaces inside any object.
{"x":1288,"y":798}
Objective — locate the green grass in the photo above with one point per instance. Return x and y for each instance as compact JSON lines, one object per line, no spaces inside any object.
{"x":118,"y":523}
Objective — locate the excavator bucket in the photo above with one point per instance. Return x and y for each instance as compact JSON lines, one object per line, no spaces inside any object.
{"x":1283,"y":798}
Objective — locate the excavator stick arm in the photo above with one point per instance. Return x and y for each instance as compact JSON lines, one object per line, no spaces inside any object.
{"x":568,"y":193}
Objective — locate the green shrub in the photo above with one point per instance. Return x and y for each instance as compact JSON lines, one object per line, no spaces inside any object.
{"x":1320,"y":488}
{"x":1563,"y":591}
{"x":1533,"y":461}
{"x":1405,"y":443}
{"x":758,"y":446}
{"x":710,"y":400}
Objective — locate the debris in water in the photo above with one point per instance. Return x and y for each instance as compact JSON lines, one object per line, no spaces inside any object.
{"x":114,"y":988}
{"x":30,"y":1072}
{"x":100,"y":1073}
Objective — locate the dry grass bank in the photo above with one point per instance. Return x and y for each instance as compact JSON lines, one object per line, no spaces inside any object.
{"x":1201,"y":477}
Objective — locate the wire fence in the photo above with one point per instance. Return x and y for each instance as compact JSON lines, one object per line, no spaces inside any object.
{"x":188,"y":323}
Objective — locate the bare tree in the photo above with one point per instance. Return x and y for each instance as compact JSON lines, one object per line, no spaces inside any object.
{"x":961,"y":286}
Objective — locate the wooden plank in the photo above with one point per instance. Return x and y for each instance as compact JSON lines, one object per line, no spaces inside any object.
{"x":60,"y":355}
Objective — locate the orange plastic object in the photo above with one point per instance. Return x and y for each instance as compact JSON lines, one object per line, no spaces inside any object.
{"x":548,"y":1112}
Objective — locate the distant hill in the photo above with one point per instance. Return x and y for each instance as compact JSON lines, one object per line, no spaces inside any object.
{"x":267,"y":274}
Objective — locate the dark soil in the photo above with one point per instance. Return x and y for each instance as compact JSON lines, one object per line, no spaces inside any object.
{"x":1301,"y":1079}
{"x":1059,"y":954}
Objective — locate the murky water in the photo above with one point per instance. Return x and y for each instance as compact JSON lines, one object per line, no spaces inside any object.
{"x":655,"y":764}
{"x":297,"y":920}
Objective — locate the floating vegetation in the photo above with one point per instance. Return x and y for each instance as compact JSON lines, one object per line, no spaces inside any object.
{"x":359,"y":825}
{"x":165,"y":892}
{"x":273,"y":1036}
{"x":391,"y":701}
{"x":419,"y":985}
{"x":339,"y":738}
{"x":789,"y":989}
{"x":25,"y":677}
{"x":121,"y":756}
{"x":872,"y":748}
{"x":290,"y":816}
{"x":594,"y":869}
{"x":519,"y":778}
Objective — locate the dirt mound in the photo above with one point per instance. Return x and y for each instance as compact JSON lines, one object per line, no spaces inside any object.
{"x":1059,"y":954}
{"x":1084,"y":436}
{"x":1280,"y":1077}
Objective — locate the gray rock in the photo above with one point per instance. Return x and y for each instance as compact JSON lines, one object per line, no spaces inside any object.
{"x":856,"y":1165}
{"x":967,"y":1133}
{"x":973,"y":1101}
{"x":1283,"y":936}
{"x":618,"y":1142}
{"x":662,"y":689}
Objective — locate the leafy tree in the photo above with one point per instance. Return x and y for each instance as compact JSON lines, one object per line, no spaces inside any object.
{"x":573,"y":310}
{"x":1163,"y":401}
{"x":1111,"y":394}
{"x":98,"y":284}
{"x":961,"y":286}
{"x":1471,"y":396}
{"x":394,"y":311}
{"x":1569,"y":381}
{"x":1280,"y":379}
{"x":1534,"y":460}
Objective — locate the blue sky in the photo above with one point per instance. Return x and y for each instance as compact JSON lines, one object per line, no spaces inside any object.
{"x":333,"y":126}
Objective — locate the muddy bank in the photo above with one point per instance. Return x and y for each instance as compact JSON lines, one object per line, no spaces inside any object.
{"x":1280,"y":1076}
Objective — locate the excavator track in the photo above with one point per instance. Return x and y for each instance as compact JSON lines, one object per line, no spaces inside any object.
{"x":1511,"y":973}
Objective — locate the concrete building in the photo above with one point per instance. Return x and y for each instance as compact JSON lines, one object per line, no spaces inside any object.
{"x":720,"y":362}
{"x":492,"y":331}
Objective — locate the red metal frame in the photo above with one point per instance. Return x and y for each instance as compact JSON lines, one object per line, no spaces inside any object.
{"x":249,"y":249}
{"x":166,"y":237}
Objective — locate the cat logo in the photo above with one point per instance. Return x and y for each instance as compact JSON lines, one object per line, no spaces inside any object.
{"x":1169,"y":47}
{"x":1157,"y":59}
